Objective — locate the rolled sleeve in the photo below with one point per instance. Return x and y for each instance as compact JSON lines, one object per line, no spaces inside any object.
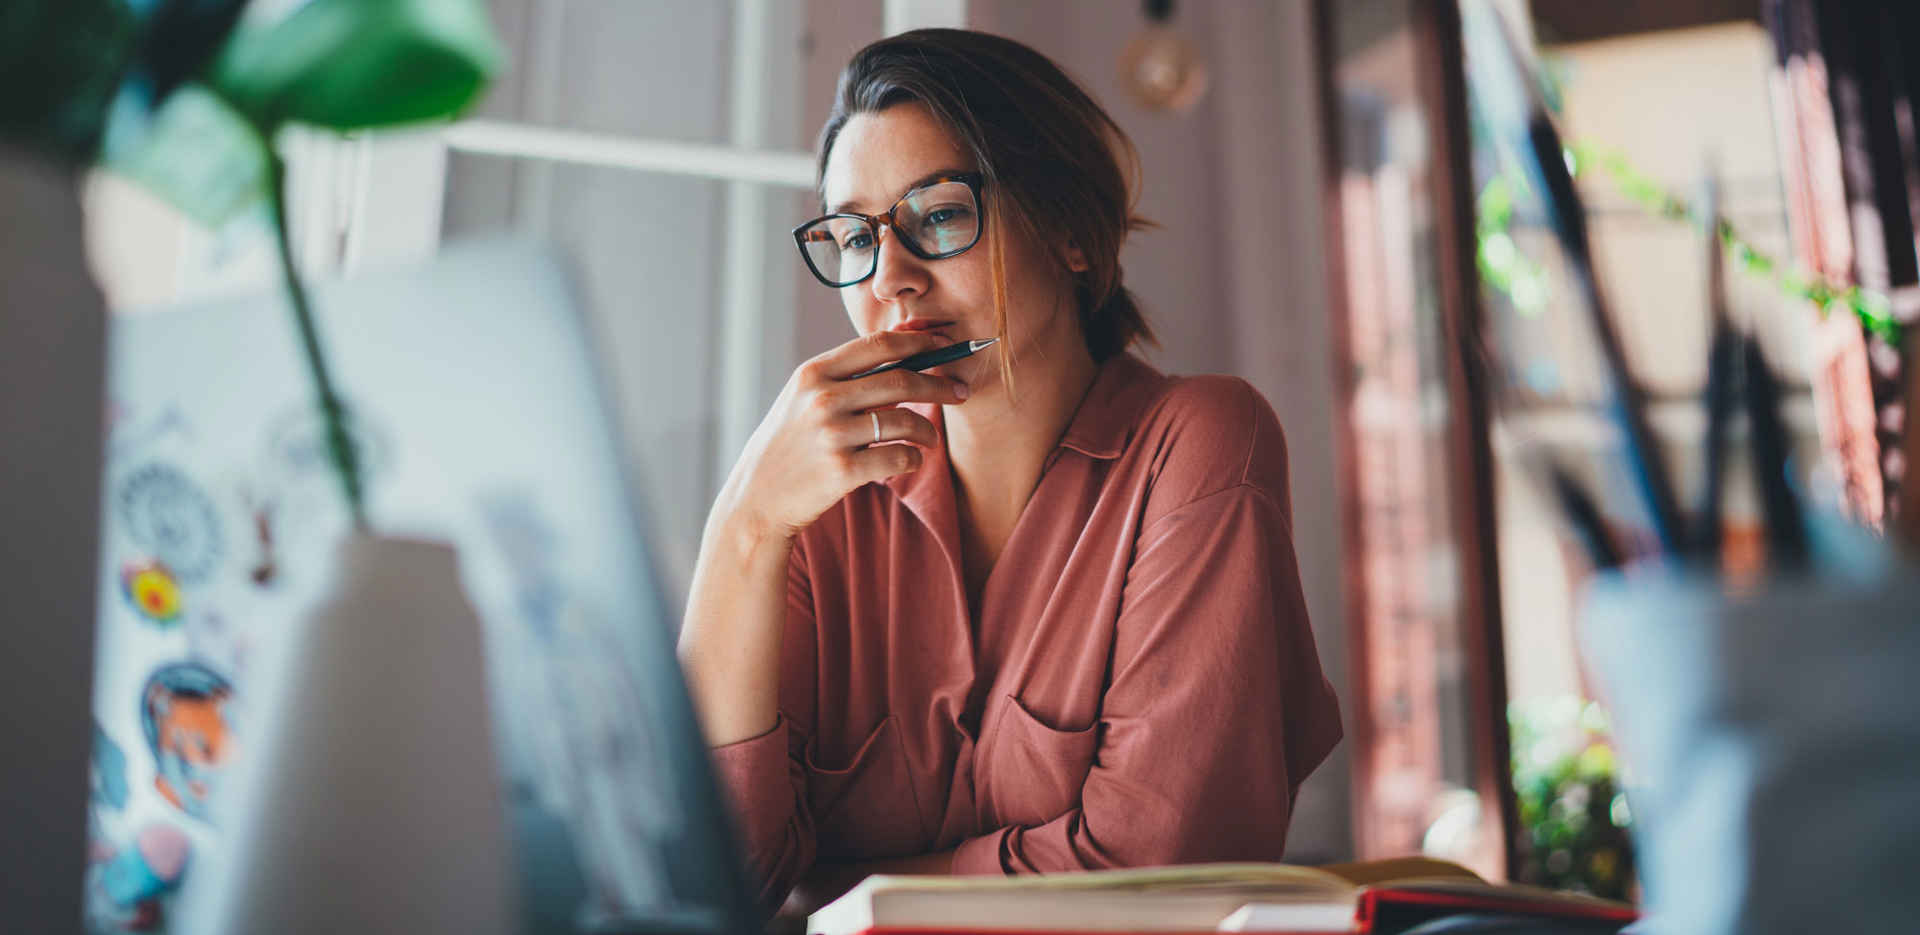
{"x":1217,"y":708}
{"x":763,"y":777}
{"x":980,"y":856}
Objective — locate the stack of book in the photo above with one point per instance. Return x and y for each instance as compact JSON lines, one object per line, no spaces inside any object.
{"x":1379,"y":898}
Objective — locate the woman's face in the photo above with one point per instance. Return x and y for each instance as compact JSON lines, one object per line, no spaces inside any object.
{"x":879,"y":157}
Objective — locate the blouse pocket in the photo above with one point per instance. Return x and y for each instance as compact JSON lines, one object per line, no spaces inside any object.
{"x":1037,"y":769}
{"x":866,"y":807}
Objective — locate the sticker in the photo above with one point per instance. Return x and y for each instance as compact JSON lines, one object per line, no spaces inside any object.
{"x":109,"y":773}
{"x":183,"y":712}
{"x":571,"y":731}
{"x":527,"y":542}
{"x":169,"y":516}
{"x":152,"y":591}
{"x":125,"y":884}
{"x":297,"y":444}
{"x":147,"y":869}
{"x":130,"y":430}
{"x":211,"y":640}
{"x":265,"y":567}
{"x":301,"y":489}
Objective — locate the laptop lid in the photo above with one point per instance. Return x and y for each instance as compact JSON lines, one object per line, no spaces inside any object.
{"x":481,"y":421}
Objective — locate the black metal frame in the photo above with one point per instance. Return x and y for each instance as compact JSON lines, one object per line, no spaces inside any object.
{"x":807,"y":232}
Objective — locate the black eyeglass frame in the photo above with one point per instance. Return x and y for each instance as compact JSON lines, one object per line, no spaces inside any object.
{"x":974,"y":182}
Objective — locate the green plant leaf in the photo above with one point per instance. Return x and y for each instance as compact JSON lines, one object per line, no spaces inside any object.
{"x":61,"y":62}
{"x":196,"y":154}
{"x":359,"y":64}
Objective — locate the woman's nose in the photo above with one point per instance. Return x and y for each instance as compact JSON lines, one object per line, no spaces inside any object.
{"x":898,"y":273}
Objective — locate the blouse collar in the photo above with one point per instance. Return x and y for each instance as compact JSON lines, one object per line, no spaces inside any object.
{"x":1101,"y":427}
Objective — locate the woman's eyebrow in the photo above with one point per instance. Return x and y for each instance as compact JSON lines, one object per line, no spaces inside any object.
{"x":845,"y":206}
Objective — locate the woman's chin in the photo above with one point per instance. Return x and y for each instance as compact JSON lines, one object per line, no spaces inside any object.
{"x":973,"y":371}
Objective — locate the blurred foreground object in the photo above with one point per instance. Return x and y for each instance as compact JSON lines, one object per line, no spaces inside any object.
{"x":342,"y":65}
{"x":1772,"y":739}
{"x":358,"y":64}
{"x":52,"y":352}
{"x":374,"y":805}
{"x":479,"y":407}
{"x":63,"y":64}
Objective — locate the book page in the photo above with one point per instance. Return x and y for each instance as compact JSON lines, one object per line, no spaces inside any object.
{"x":1191,"y":876}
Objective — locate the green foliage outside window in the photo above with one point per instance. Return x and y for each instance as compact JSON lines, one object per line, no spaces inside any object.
{"x":1523,"y":280}
{"x":1573,"y":810}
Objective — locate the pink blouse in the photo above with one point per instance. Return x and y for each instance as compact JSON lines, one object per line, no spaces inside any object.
{"x":1141,"y":686}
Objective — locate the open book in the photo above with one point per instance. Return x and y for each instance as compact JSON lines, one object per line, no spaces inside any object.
{"x":1376,"y":897}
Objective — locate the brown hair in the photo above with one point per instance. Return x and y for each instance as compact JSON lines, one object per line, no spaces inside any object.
{"x":1051,"y":157}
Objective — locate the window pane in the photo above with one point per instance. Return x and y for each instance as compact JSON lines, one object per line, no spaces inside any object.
{"x":1643,"y":111}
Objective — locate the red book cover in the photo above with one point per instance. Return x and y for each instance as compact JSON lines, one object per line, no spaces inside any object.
{"x":1387,"y":909}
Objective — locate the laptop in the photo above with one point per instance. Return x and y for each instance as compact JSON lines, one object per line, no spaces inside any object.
{"x":481,"y":423}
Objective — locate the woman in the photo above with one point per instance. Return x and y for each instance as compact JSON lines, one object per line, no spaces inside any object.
{"x":1033,"y":610}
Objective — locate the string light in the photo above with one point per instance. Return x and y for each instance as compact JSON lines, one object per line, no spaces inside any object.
{"x":1524,"y":281}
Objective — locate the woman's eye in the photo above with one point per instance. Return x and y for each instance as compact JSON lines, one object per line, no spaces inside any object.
{"x":946,"y":215}
{"x":860,"y":240}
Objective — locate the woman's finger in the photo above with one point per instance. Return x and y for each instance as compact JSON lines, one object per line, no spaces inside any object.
{"x":872,"y":350}
{"x":896,"y":425}
{"x":878,"y":463}
{"x":892,"y":388}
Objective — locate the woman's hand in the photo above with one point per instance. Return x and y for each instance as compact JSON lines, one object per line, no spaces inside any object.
{"x":815,"y":445}
{"x":817,"y":442}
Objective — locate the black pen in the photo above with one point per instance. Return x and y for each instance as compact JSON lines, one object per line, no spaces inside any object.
{"x":933,"y":358}
{"x":1785,"y":525}
{"x":1540,"y":142}
{"x":1580,"y":512}
{"x":1723,"y":361}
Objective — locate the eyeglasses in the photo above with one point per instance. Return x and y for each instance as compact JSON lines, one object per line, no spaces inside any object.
{"x":938,"y":220}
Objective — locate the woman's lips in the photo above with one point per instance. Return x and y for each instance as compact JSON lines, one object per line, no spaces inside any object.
{"x":937,"y":326}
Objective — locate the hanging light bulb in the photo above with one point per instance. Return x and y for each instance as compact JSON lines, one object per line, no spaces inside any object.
{"x":1162,"y":70}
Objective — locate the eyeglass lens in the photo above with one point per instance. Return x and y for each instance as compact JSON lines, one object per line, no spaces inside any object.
{"x":938,"y":221}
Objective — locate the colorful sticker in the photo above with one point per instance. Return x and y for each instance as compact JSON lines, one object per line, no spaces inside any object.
{"x":130,"y":428}
{"x":212,"y":639}
{"x":152,"y":591}
{"x":266,"y":568}
{"x":171,"y":518}
{"x":297,"y":443}
{"x":125,"y":885}
{"x":183,"y":712}
{"x":109,"y":773}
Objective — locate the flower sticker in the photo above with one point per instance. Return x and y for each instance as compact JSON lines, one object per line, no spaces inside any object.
{"x":152,"y":591}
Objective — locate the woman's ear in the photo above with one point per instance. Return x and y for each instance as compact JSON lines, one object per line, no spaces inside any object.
{"x":1076,"y":260}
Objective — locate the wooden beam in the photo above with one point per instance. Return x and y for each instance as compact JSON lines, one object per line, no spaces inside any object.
{"x":1584,"y":20}
{"x":1440,"y":59}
